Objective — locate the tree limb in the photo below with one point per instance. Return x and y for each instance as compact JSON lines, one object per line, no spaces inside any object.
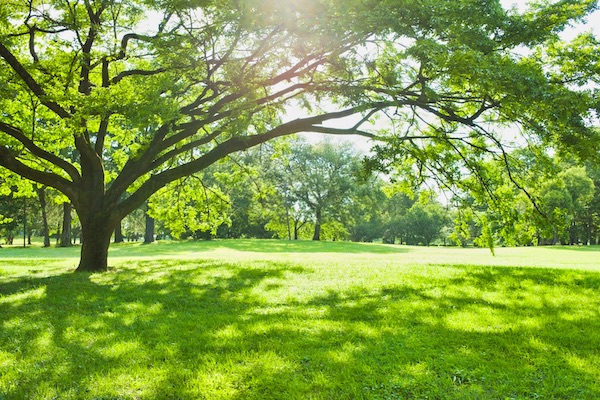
{"x":38,"y":152}
{"x":31,"y":83}
{"x":10,"y":162}
{"x":135,"y":72}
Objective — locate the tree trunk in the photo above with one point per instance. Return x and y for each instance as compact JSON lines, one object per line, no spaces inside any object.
{"x":24,"y":221}
{"x":96,"y":237}
{"x":317,"y":234}
{"x":65,"y":238}
{"x":287,"y":220}
{"x":296,"y":229}
{"x":119,"y":233}
{"x":318,"y":217}
{"x":41,"y":192}
{"x":588,"y":230}
{"x":149,"y":231}
{"x":98,"y":222}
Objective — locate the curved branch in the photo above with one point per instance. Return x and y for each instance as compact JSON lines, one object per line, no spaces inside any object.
{"x":338,"y":131}
{"x":10,"y":162}
{"x":38,"y":152}
{"x":125,"y":41}
{"x":136,"y":72}
{"x":31,"y":83}
{"x":180,"y":150}
{"x":222,"y":150}
{"x":232,"y":145}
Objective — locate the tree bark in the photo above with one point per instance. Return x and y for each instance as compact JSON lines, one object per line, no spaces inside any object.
{"x":318,"y":218}
{"x":287,"y":220}
{"x":119,"y":233}
{"x":296,"y":229}
{"x":65,"y":238}
{"x":149,"y":231}
{"x":24,"y":221}
{"x":94,"y":249}
{"x":41,"y":192}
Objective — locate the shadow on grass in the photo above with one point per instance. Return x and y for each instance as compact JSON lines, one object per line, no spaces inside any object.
{"x":210,"y":330}
{"x":284,"y":246}
{"x":40,"y":252}
{"x":256,"y":245}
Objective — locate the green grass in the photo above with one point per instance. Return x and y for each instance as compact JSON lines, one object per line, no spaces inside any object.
{"x":277,"y":320}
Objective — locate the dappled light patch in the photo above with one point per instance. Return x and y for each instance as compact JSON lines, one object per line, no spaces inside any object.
{"x":23,"y":297}
{"x":477,"y":318}
{"x":228,"y":333}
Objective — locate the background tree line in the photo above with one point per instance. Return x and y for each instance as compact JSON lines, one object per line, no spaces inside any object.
{"x":122,"y":106}
{"x":293,"y":189}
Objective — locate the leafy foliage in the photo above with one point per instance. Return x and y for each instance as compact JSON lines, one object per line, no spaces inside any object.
{"x":190,"y":205}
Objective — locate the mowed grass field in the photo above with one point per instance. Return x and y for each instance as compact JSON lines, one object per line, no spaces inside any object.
{"x":250,"y":319}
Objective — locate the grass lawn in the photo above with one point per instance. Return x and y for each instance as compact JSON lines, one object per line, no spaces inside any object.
{"x":252,"y":319}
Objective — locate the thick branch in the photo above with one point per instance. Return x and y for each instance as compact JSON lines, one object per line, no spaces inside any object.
{"x":10,"y":162}
{"x":181,"y":150}
{"x":92,"y":169}
{"x":133,"y":167}
{"x":136,"y":72}
{"x":125,"y":41}
{"x":37,"y":90}
{"x":338,"y":131}
{"x":232,"y":145}
{"x":222,"y":150}
{"x":38,"y":152}
{"x":101,"y":136}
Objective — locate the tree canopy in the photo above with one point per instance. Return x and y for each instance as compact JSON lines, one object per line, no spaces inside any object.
{"x":109,"y":101}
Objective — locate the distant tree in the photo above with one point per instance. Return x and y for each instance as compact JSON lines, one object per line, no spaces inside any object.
{"x":19,"y":209}
{"x":566,"y":198}
{"x":581,"y":190}
{"x":41,"y":193}
{"x":593,"y":217}
{"x":424,"y":221}
{"x":67,"y":225}
{"x":119,"y":238}
{"x":12,"y":217}
{"x":245,"y":180}
{"x":396,"y":205}
{"x":319,"y":178}
{"x":148,"y":228}
{"x":366,"y":214}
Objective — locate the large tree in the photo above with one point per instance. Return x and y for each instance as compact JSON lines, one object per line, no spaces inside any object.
{"x":108,"y":101}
